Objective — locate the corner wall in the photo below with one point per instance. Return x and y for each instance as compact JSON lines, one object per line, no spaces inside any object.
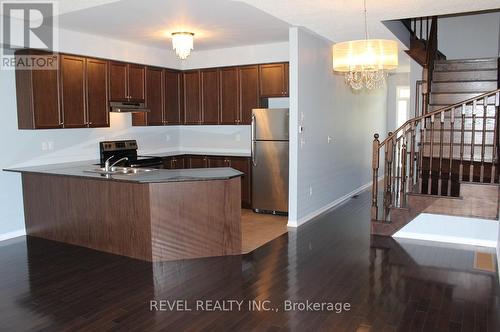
{"x":324,"y":174}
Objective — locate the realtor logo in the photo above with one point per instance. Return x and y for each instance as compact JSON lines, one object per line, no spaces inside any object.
{"x":27,"y":25}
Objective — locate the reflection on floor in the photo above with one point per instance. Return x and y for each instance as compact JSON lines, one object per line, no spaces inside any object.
{"x":51,"y":286}
{"x":258,"y":229}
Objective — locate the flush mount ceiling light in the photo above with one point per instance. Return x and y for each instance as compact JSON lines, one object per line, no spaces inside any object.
{"x":365,"y":62}
{"x":182,"y":42}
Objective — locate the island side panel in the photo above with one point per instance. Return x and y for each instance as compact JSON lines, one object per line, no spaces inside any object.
{"x":109,"y":216}
{"x":196,"y":219}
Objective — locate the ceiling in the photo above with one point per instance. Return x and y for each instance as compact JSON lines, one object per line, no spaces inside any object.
{"x":216,"y":23}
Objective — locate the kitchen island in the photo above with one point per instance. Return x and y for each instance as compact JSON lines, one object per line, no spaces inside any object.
{"x":157,"y":215}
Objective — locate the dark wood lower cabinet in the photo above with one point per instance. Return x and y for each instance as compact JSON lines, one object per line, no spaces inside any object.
{"x":241,"y":164}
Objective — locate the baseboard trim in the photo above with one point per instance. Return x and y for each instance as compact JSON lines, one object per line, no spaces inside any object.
{"x":324,"y":209}
{"x":11,"y":235}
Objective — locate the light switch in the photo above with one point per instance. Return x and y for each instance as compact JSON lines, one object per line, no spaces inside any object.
{"x":330,"y":139}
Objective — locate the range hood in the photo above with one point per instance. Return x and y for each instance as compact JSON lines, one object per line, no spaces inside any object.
{"x":128,"y":107}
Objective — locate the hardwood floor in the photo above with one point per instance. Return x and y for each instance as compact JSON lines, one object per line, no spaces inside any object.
{"x":390,"y":286}
{"x":258,"y":229}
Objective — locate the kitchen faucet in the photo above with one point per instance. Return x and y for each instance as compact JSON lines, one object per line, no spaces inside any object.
{"x":107,"y":166}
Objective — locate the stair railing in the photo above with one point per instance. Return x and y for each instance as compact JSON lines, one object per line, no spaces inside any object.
{"x":428,"y":152}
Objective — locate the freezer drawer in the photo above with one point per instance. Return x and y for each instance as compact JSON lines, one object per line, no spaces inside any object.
{"x":270,"y":124}
{"x":270,"y":176}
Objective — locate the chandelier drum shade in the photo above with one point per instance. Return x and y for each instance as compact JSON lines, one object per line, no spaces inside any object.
{"x":365,"y":62}
{"x":183,"y":44}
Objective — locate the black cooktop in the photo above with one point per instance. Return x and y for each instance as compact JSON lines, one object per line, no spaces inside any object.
{"x":115,"y":150}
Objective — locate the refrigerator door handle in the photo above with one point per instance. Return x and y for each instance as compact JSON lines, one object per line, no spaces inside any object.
{"x":254,"y":159}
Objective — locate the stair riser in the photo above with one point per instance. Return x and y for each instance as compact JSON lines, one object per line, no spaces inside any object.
{"x":464,"y":86}
{"x":454,"y":98}
{"x":477,"y":75}
{"x":447,"y":66}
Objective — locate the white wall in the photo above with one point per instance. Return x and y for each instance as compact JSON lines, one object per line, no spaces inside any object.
{"x":469,"y":36}
{"x":275,"y":52}
{"x":321,"y":102}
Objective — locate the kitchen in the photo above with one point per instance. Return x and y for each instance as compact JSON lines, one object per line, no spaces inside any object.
{"x":90,"y":88}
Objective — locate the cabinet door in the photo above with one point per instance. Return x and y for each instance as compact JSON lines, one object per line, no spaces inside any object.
{"x":209,"y":96}
{"x":45,"y":90}
{"x":136,"y":82}
{"x":229,"y":104}
{"x":97,"y":93}
{"x":117,"y":81}
{"x":177,"y":163}
{"x":73,"y":102}
{"x":192,"y":106}
{"x":248,"y":92}
{"x":286,"y":75}
{"x":154,"y":98}
{"x":218,"y":162}
{"x":243,"y":165}
{"x":272,"y":80}
{"x":198,"y":162}
{"x":172,"y":97}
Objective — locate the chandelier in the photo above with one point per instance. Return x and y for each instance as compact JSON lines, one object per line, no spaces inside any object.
{"x":365,"y":62}
{"x":182,"y":43}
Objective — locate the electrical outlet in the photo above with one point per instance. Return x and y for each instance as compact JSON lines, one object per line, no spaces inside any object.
{"x":310,"y":191}
{"x":330,"y":139}
{"x":237,"y":137}
{"x":302,"y":142}
{"x":51,"y":146}
{"x":45,"y":146}
{"x":167,"y":137}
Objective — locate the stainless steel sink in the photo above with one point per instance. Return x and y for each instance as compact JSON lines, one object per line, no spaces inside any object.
{"x":115,"y":170}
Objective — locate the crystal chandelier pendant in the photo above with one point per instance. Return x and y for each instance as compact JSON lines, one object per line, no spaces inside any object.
{"x":182,"y":43}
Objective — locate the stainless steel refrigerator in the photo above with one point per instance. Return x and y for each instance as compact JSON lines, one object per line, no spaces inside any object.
{"x":270,"y":137}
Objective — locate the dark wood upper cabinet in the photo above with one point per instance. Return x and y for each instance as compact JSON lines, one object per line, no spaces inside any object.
{"x":97,"y":93}
{"x":229,"y":101}
{"x":192,"y":98}
{"x":72,"y":85}
{"x":127,"y":81}
{"x":173,"y":97}
{"x":154,"y":96}
{"x":136,"y":82}
{"x":248,"y":92}
{"x":118,"y":81}
{"x":209,"y":96}
{"x":286,"y":73}
{"x":274,"y":80}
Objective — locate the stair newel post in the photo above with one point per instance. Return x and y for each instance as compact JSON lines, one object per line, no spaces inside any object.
{"x":431,"y":157}
{"x":389,"y":151}
{"x":452,"y":136}
{"x":402,"y":193}
{"x":461,"y":168}
{"x":375,"y":167}
{"x":483,"y":141}
{"x":441,"y":139}
{"x":472,"y":142}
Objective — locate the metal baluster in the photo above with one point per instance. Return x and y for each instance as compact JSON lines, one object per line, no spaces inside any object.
{"x":472,"y":142}
{"x":461,"y":168}
{"x":402,"y":193}
{"x":441,"y":139}
{"x":375,"y":166}
{"x":494,"y":154}
{"x":483,"y":143}
{"x":387,"y":177}
{"x":395,"y":165}
{"x":411,"y":181}
{"x":429,"y":181}
{"x":452,"y":137}
{"x":421,"y":155}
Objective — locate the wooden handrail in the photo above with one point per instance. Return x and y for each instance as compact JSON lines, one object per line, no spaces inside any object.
{"x":436,"y":112}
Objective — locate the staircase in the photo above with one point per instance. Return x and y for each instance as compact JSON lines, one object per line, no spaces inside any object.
{"x":445,"y":160}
